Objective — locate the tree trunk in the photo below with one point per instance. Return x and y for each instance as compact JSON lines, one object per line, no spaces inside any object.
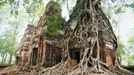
{"x":10,"y":59}
{"x":2,"y":55}
{"x":5,"y":57}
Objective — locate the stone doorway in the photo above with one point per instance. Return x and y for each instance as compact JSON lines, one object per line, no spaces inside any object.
{"x":74,"y":56}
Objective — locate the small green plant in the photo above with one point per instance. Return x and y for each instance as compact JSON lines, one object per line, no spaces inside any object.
{"x":55,"y":23}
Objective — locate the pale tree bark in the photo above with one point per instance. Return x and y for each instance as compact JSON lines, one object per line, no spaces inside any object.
{"x":10,"y":59}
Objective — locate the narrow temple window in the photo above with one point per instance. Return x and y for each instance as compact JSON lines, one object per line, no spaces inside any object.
{"x":34,"y":56}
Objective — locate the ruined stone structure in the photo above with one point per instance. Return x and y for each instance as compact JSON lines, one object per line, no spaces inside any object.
{"x":25,"y":44}
{"x":39,"y":45}
{"x":86,"y":46}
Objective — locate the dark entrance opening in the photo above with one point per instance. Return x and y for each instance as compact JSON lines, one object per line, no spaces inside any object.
{"x":34,"y":55}
{"x":75,"y":54}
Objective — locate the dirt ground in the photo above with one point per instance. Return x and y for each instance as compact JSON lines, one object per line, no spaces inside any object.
{"x":14,"y":68}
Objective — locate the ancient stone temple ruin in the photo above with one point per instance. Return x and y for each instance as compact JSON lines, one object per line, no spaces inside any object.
{"x":48,"y":50}
{"x":38,"y":44}
{"x":86,"y":45}
{"x":25,"y":44}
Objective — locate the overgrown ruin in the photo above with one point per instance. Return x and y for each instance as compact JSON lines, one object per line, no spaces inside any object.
{"x":85,"y":46}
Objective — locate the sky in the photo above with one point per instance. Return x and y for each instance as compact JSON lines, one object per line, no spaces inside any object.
{"x":126,"y":25}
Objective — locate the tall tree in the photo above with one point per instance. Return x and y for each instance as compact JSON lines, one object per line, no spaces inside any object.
{"x":8,"y":46}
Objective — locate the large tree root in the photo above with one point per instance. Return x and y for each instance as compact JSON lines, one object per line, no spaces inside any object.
{"x":98,"y":68}
{"x":64,"y":68}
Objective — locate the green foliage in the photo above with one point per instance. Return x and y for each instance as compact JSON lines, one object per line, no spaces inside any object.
{"x":32,"y":6}
{"x":131,"y":40}
{"x":132,"y":5}
{"x":8,"y":42}
{"x":118,"y":10}
{"x":26,"y":1}
{"x":130,"y":50}
{"x":131,"y":59}
{"x":55,"y":24}
{"x":14,"y":12}
{"x":131,"y":43}
{"x":120,"y":47}
{"x":2,"y":3}
{"x":55,"y":5}
{"x":37,"y":1}
{"x":11,"y":1}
